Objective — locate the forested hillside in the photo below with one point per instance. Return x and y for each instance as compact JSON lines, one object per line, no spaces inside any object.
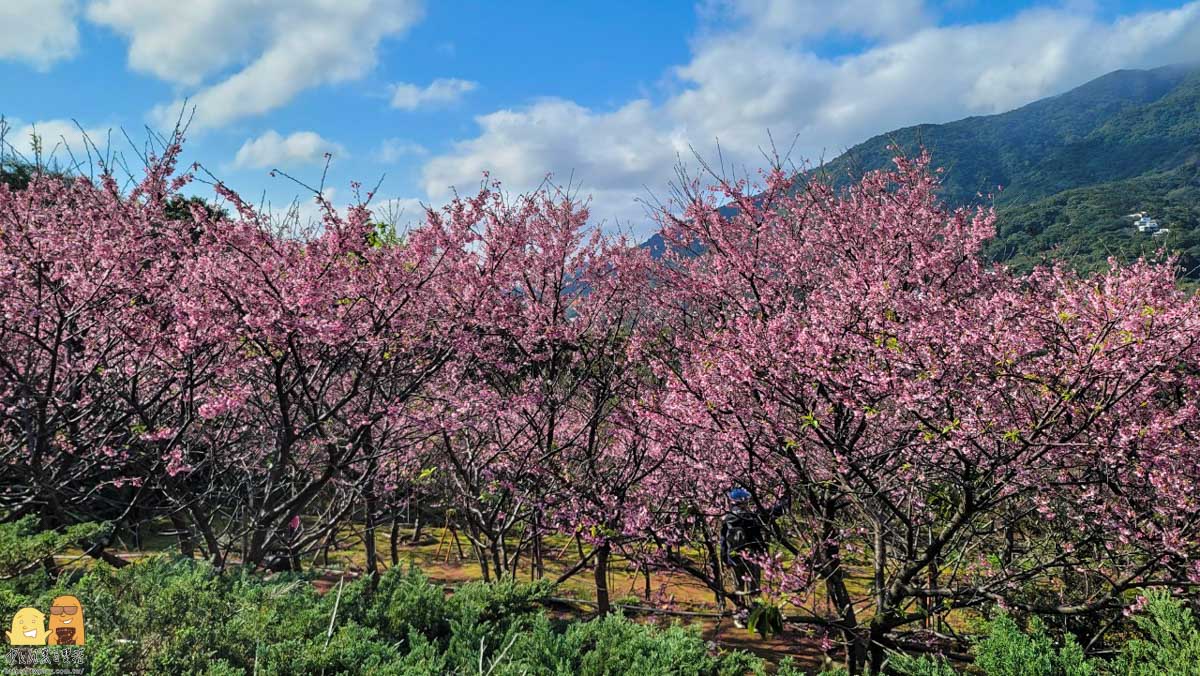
{"x":1063,"y":171}
{"x":1087,"y":225}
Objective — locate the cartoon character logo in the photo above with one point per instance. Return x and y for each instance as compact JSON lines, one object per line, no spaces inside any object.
{"x":66,"y":621}
{"x":28,"y":628}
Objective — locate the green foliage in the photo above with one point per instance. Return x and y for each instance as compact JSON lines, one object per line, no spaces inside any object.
{"x":1168,"y":644}
{"x":403,"y":603}
{"x":384,"y":234}
{"x":788,"y":667}
{"x":616,"y":645}
{"x":183,"y":617}
{"x":1170,"y":641}
{"x":909,"y":665}
{"x":1086,"y":226}
{"x":353,"y":649}
{"x":1071,"y":166}
{"x":1124,"y":124}
{"x":1007,"y":651}
{"x":179,"y":616}
{"x":23,"y":547}
{"x":766,"y":619}
{"x":16,"y":175}
{"x":179,"y":208}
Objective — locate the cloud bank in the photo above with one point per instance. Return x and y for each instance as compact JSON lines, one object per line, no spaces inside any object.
{"x":758,"y":67}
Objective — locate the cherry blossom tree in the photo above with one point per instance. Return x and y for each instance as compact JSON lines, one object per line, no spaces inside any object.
{"x":325,"y":340}
{"x":83,"y":267}
{"x":960,"y":435}
{"x":533,"y":430}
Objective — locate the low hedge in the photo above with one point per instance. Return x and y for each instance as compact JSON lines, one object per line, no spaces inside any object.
{"x":183,"y":617}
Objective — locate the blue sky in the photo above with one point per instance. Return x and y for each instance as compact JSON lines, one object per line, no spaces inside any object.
{"x":609,"y":95}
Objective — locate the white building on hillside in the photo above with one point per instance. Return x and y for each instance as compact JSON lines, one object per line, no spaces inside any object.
{"x":1146,"y":224}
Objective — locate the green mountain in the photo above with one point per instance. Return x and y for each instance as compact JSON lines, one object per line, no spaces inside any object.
{"x":1064,"y":171}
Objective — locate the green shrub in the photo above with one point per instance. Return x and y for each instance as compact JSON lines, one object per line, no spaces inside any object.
{"x":616,"y":645}
{"x":23,"y":547}
{"x":487,"y":620}
{"x":908,"y":665}
{"x":184,"y":617}
{"x":1007,"y":651}
{"x":1170,"y":641}
{"x":1168,"y":645}
{"x":353,"y":649}
{"x":402,"y":602}
{"x":160,"y":616}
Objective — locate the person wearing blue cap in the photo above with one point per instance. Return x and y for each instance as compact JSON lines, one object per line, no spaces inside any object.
{"x":742,"y":538}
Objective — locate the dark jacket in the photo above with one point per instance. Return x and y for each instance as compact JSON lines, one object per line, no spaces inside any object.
{"x":744,"y":529}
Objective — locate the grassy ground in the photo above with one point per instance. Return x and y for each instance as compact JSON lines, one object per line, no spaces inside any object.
{"x":438,"y":556}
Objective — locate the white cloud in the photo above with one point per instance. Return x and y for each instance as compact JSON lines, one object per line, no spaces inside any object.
{"x":307,"y":213}
{"x":272,"y":150}
{"x":399,"y":212}
{"x":38,"y":32}
{"x":803,"y":18}
{"x":393,"y":149}
{"x":756,"y":67}
{"x":440,"y":92}
{"x":298,"y":214}
{"x":178,"y":42}
{"x":238,"y":59}
{"x":740,"y":84}
{"x":59,"y":142}
{"x":613,"y":154}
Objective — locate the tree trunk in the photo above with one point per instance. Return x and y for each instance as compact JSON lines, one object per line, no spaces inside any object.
{"x":481,"y":553}
{"x":601,"y":577}
{"x":483,"y":563}
{"x":856,"y":652}
{"x":880,"y":570}
{"x":497,"y":560}
{"x":538,"y":563}
{"x":211,"y":543}
{"x":457,"y":543}
{"x":716,"y":564}
{"x":418,"y":525}
{"x":393,"y":540}
{"x":183,"y":533}
{"x":839,"y":596}
{"x":369,"y":535}
{"x":932,"y":606}
{"x":326,"y":547}
{"x":875,"y":647}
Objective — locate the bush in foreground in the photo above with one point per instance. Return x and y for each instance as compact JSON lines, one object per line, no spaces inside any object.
{"x":1167,"y":642}
{"x":165,"y":616}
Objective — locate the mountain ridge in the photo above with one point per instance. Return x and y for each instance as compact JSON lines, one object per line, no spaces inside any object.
{"x":1062,"y":171}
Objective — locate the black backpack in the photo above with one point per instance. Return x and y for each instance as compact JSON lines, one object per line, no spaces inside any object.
{"x":743,"y":530}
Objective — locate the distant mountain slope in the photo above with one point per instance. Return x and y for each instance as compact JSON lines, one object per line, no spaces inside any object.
{"x":1087,"y":225}
{"x":1070,"y":167}
{"x":1054,"y":144}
